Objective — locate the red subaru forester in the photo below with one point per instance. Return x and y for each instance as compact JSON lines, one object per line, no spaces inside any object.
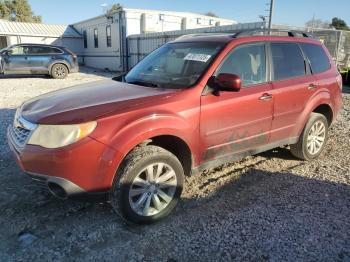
{"x":196,"y":102}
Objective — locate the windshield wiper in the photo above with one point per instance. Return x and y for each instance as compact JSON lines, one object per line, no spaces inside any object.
{"x":142,"y":83}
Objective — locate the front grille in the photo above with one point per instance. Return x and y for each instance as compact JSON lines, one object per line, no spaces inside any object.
{"x":20,"y":135}
{"x":20,"y":131}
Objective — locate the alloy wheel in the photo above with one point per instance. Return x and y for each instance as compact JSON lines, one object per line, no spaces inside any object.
{"x":316,"y":137}
{"x":60,"y":71}
{"x":152,"y":189}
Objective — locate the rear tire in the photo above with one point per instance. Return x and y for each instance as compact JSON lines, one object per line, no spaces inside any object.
{"x":312,"y":139}
{"x":148,"y":185}
{"x":59,"y":71}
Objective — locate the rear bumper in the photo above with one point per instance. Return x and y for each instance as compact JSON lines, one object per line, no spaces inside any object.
{"x":74,"y":69}
{"x":85,"y":166}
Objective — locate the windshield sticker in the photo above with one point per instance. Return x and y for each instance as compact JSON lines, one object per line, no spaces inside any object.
{"x":197,"y":57}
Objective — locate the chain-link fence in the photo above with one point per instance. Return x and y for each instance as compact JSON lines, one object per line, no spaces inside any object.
{"x":337,"y":42}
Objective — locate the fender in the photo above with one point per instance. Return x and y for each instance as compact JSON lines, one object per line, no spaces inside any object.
{"x":321,"y":97}
{"x":144,"y":129}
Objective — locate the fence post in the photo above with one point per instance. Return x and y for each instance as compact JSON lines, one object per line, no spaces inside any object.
{"x":338,"y":46}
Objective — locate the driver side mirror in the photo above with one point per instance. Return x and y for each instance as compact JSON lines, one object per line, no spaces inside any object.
{"x":228,"y":82}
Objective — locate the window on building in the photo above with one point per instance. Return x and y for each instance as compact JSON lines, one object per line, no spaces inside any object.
{"x":211,"y":22}
{"x":96,"y":38}
{"x":319,"y":61}
{"x":85,"y":39}
{"x":108,"y":36}
{"x":288,"y":61}
{"x":248,"y":62}
{"x":161,"y":17}
{"x":199,"y":21}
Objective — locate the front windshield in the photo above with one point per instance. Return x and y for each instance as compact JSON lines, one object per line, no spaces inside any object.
{"x":174,"y":65}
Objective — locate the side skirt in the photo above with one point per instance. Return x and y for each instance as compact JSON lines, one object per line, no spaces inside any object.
{"x":239,"y":156}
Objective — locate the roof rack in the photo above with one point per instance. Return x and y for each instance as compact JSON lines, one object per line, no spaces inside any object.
{"x":199,"y":35}
{"x":291,"y":33}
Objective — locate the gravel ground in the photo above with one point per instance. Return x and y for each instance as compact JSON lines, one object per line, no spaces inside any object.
{"x":266,"y":207}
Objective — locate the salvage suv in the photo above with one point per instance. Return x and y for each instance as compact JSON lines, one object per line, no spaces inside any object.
{"x":192,"y":104}
{"x":56,"y":61}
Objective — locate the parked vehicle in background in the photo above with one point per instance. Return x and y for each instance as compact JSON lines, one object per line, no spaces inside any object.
{"x":192,"y":104}
{"x":56,"y":61}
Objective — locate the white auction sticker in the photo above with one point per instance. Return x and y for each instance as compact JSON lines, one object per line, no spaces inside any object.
{"x":197,"y":57}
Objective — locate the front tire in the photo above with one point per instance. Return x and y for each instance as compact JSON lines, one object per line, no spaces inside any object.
{"x":59,"y":71}
{"x":313,"y":138}
{"x":148,"y":185}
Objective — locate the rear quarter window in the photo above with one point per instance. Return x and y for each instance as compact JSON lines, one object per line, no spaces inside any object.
{"x":288,"y":61}
{"x":319,"y":61}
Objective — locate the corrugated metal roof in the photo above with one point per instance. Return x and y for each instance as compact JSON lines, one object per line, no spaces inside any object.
{"x":36,"y":29}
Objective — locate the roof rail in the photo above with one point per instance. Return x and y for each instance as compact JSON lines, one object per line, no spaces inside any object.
{"x":291,"y":33}
{"x":199,"y":35}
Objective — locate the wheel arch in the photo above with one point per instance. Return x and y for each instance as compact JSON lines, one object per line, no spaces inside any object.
{"x":320,"y":103}
{"x":326,"y":110}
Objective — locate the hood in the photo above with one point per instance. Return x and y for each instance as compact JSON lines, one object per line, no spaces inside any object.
{"x":88,"y":102}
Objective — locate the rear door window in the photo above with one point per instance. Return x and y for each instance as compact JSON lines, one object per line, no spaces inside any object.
{"x":288,"y":61}
{"x":319,"y":61}
{"x":38,"y":50}
{"x":55,"y":51}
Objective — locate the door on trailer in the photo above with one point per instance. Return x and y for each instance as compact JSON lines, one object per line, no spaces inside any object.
{"x":3,"y":42}
{"x":237,"y":122}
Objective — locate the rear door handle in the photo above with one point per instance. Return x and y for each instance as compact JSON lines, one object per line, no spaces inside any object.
{"x":266,"y":96}
{"x":312,"y":87}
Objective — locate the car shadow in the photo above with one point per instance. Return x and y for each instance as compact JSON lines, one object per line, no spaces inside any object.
{"x":82,"y":70}
{"x":279,"y":152}
{"x":15,"y":76}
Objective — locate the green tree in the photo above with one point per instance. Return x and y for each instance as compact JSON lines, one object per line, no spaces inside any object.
{"x":18,"y":10}
{"x":212,"y":14}
{"x":115,"y":8}
{"x":339,"y":24}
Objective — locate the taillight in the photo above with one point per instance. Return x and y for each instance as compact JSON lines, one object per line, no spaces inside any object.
{"x":340,"y":81}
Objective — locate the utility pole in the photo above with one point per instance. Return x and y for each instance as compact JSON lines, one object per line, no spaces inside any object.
{"x":270,"y":16}
{"x":313,"y":23}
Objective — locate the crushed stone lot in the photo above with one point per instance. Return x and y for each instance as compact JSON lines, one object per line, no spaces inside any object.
{"x":265,"y":207}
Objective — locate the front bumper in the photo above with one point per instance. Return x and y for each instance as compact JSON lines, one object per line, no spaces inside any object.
{"x":81,"y":167}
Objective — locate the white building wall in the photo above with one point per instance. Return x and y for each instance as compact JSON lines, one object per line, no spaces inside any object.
{"x":131,"y":22}
{"x":101,"y":57}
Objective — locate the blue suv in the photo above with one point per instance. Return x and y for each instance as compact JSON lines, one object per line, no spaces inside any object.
{"x":56,"y":61}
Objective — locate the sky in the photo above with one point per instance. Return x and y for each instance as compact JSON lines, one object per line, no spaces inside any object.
{"x":291,"y":12}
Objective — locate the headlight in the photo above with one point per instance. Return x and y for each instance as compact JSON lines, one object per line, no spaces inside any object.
{"x":54,"y":136}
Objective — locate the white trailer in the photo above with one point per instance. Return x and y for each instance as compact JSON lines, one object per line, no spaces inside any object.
{"x":105,"y":36}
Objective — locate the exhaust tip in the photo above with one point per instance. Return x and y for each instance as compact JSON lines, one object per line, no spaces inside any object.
{"x":57,"y":190}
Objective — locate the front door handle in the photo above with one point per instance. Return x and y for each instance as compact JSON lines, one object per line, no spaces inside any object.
{"x":312,"y":87}
{"x":266,"y":96}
